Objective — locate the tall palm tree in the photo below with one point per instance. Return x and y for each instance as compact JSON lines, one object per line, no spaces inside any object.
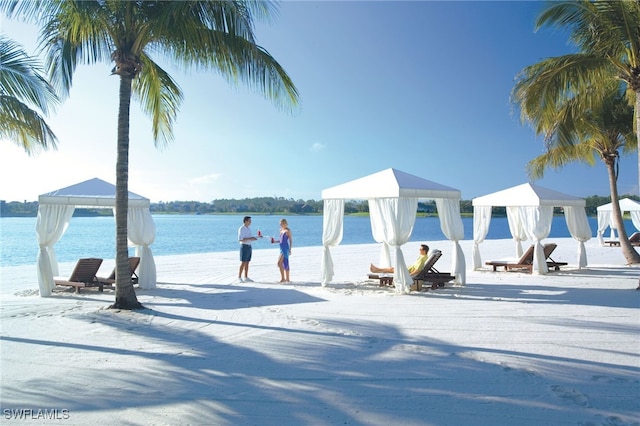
{"x":607,"y":34}
{"x":215,"y":35}
{"x":573,"y":134}
{"x":23,"y":88}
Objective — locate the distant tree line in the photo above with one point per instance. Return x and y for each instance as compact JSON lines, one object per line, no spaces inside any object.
{"x":269,"y":205}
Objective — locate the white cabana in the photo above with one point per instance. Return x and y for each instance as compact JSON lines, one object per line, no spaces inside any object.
{"x":55,"y":210}
{"x":393,"y":201}
{"x":606,"y":220}
{"x":529,"y":213}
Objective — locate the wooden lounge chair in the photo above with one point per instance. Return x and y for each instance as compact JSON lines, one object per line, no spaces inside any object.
{"x":387,"y":278}
{"x":83,"y":275}
{"x":634,"y":239}
{"x":430,"y":274}
{"x":526,"y":260}
{"x":384,"y":278}
{"x":111,"y":279}
{"x":548,"y":249}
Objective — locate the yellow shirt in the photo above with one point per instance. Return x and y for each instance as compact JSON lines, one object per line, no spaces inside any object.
{"x":418,"y":265}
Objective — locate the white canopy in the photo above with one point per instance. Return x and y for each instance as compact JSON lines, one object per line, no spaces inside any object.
{"x":605,"y":219}
{"x":55,"y":210}
{"x":530,"y":212}
{"x":393,"y":201}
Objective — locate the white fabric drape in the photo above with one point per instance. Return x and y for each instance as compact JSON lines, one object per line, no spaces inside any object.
{"x":452,"y":228}
{"x":141,"y":231}
{"x":576,"y":218}
{"x":537,"y":225}
{"x":635,"y":218}
{"x":378,"y":236}
{"x":332,"y":226}
{"x":392,"y":220}
{"x":52,"y":222}
{"x":481,"y":221}
{"x":604,"y":220}
{"x":516,"y":227}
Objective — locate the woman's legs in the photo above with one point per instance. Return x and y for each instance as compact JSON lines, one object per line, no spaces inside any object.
{"x":281,"y":267}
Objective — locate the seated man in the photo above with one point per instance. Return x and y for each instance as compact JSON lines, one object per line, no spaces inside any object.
{"x":413,"y":269}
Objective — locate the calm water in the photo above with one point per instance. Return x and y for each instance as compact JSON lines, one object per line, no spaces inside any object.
{"x":183,"y":234}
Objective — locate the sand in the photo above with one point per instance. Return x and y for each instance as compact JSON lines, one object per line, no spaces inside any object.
{"x":506,"y":348}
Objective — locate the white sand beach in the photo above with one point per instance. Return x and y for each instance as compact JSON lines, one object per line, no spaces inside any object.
{"x":508,"y":348}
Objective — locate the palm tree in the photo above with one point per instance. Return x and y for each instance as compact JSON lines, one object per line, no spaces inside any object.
{"x":23,"y":88}
{"x":607,"y":34}
{"x":215,"y":35}
{"x":573,"y":134}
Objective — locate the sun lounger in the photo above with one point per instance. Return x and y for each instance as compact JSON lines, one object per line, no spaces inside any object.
{"x":430,"y":274}
{"x":387,"y":278}
{"x":634,"y":239}
{"x":548,"y":249}
{"x":526,"y":260}
{"x":83,"y":275}
{"x":111,"y":279}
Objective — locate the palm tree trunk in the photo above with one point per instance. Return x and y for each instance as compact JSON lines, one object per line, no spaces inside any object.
{"x":125,"y":293}
{"x":629,"y":253}
{"x":637,"y":111}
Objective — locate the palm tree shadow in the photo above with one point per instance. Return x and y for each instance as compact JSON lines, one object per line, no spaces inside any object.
{"x":239,"y":356}
{"x":222,"y":296}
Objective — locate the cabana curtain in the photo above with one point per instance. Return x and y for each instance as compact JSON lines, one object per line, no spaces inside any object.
{"x":392,"y":221}
{"x":51,"y":223}
{"x":141,"y":231}
{"x":481,"y":221}
{"x":332,"y":228}
{"x":579,"y":229}
{"x":515,"y":227}
{"x":536,"y":222}
{"x":452,"y":228}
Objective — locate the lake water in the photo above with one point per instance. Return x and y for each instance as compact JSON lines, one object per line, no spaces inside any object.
{"x":184,"y":234}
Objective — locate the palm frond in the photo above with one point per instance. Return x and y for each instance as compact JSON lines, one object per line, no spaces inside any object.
{"x":160,"y":98}
{"x":20,"y":77}
{"x":24,"y":126}
{"x":558,"y":157}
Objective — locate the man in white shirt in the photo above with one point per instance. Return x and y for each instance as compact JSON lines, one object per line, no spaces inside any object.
{"x":245,"y":239}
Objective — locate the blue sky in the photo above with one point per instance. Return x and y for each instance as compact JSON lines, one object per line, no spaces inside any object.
{"x":422,"y":87}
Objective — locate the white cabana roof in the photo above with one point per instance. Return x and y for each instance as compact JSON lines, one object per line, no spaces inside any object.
{"x":90,"y":193}
{"x":55,"y":210}
{"x":530,"y":213}
{"x":393,"y":199}
{"x":528,"y":194}
{"x":626,"y":205}
{"x":389,"y":183}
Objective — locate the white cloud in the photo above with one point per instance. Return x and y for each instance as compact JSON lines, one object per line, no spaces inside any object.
{"x":318,"y":147}
{"x":203,"y":180}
